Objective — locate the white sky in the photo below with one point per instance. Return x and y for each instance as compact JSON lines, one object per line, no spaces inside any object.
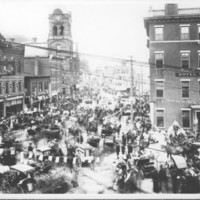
{"x":112,"y":28}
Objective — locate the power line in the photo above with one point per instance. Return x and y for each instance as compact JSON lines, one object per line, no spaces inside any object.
{"x":121,"y":60}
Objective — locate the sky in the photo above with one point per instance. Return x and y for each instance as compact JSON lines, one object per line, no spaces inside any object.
{"x":111,"y":28}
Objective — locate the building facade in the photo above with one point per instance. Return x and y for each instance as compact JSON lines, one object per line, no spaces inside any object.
{"x":174,"y":48}
{"x":11,"y":77}
{"x":37,"y":81}
{"x":60,"y":39}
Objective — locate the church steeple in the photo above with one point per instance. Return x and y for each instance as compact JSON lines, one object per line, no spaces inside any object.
{"x":60,"y":30}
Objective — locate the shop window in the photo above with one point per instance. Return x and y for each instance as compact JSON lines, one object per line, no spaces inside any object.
{"x":46,"y":85}
{"x":160,"y":118}
{"x":185,"y":60}
{"x":186,"y":118}
{"x":40,"y":86}
{"x":20,"y":87}
{"x":7,"y":87}
{"x":34,"y":87}
{"x":159,"y":89}
{"x":13,"y":87}
{"x":159,"y":58}
{"x":159,"y":33}
{"x":185,"y":33}
{"x":185,"y":89}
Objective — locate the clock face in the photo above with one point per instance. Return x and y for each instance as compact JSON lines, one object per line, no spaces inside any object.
{"x":58,"y":17}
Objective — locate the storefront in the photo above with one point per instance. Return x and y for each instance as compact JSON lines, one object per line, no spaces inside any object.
{"x":13,"y":106}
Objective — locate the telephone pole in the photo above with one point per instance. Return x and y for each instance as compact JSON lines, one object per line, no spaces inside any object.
{"x":131,"y":91}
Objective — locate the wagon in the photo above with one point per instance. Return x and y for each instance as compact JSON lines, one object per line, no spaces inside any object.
{"x":52,"y":133}
{"x":86,"y":153}
{"x":146,"y":165}
{"x":27,"y":183}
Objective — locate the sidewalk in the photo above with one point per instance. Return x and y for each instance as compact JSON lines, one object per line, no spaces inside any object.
{"x":147,"y":186}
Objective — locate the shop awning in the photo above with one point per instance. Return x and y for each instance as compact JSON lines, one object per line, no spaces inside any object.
{"x":179,"y":161}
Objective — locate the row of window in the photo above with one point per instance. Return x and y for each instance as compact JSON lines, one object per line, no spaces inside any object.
{"x":55,"y":86}
{"x":185,"y":89}
{"x":184,"y":59}
{"x":184,"y":32}
{"x":40,"y":86}
{"x":56,"y":73}
{"x":160,"y":118}
{"x":58,"y":30}
{"x":10,"y":88}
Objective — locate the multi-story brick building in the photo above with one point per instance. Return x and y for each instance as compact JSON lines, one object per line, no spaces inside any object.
{"x":11,"y":77}
{"x":174,"y":47}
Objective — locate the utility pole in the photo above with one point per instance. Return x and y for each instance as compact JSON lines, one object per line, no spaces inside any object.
{"x":131,"y":91}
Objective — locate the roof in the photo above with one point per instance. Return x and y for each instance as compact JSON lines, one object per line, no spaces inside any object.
{"x":22,"y":168}
{"x":43,"y":149}
{"x":57,"y":11}
{"x":33,"y":52}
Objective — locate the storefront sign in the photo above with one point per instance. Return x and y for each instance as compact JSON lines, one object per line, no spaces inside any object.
{"x":188,"y":74}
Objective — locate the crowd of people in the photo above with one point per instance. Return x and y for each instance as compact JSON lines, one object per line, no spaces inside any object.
{"x":63,"y":121}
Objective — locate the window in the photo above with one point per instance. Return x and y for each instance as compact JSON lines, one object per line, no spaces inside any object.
{"x":40,"y":86}
{"x":13,"y":87}
{"x":34,"y":86}
{"x":159,"y":60}
{"x":199,"y":88}
{"x":1,"y":92}
{"x":185,"y":89}
{"x":20,"y":86}
{"x":186,"y":118}
{"x":7,"y":87}
{"x":160,"y":118}
{"x":46,"y":85}
{"x":199,"y":60}
{"x":159,"y":33}
{"x":55,"y":30}
{"x":185,"y":60}
{"x":61,"y":30}
{"x":159,"y":88}
{"x":20,"y":66}
{"x":198,"y":32}
{"x":185,"y":32}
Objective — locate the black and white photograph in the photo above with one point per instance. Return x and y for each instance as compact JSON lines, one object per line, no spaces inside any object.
{"x":99,"y":98}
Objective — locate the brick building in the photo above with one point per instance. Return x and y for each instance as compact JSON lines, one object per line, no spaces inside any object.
{"x":174,"y":47}
{"x":11,"y":77}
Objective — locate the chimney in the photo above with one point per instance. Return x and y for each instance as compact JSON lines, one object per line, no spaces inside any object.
{"x":171,"y":9}
{"x":34,"y":40}
{"x":12,"y":39}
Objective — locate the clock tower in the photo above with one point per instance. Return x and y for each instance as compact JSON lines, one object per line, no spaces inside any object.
{"x":60,"y":32}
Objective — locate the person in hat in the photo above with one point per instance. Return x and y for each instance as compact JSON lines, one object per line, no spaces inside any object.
{"x":30,"y":147}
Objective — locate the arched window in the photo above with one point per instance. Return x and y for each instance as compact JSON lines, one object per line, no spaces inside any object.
{"x":61,"y":30}
{"x":55,"y":30}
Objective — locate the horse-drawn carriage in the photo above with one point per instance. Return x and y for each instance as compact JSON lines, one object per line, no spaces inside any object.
{"x":52,"y":132}
{"x":94,"y":140}
{"x":17,"y":179}
{"x":86,"y":154}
